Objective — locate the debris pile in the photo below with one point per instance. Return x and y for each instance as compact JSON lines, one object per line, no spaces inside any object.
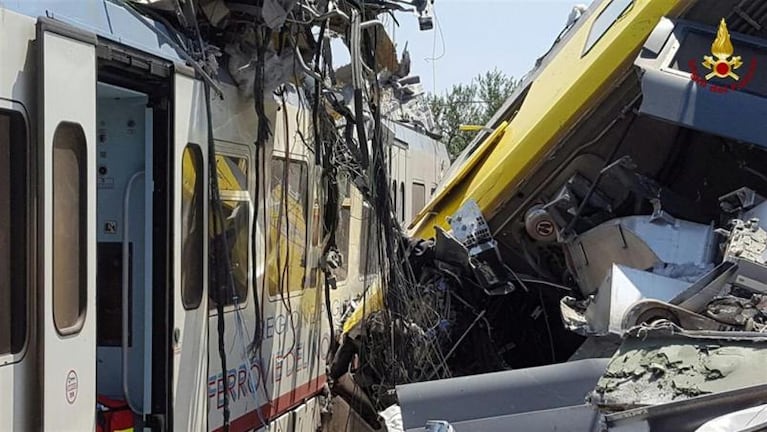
{"x":688,"y":326}
{"x":442,"y":323}
{"x":636,"y":233}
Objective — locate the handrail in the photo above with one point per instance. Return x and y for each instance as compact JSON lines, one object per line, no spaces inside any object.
{"x":125,"y":297}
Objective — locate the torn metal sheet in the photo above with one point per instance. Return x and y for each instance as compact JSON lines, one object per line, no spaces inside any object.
{"x":656,"y":367}
{"x":713,"y":283}
{"x":623,"y":287}
{"x":641,"y":242}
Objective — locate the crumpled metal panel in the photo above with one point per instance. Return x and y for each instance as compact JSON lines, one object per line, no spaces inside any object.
{"x":653,"y":367}
{"x":622,"y":288}
{"x":639,"y":242}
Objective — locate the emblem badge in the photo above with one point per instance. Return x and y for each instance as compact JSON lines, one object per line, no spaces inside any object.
{"x":722,"y":64}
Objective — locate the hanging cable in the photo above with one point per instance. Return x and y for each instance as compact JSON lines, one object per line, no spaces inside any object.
{"x":221,"y":271}
{"x":262,"y":135}
{"x":181,"y":50}
{"x":610,"y":159}
{"x":317,"y":90}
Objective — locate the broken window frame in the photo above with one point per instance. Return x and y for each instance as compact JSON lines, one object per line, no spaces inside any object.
{"x":367,"y":267}
{"x":343,"y":242}
{"x":613,"y":11}
{"x":415,"y":196}
{"x":305,"y":196}
{"x":230,"y":150}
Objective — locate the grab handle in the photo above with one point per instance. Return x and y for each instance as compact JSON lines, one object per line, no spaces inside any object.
{"x":125,"y":282}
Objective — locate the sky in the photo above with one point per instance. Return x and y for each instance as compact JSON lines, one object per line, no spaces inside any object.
{"x":479,"y":35}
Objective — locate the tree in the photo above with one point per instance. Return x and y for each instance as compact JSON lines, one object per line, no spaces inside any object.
{"x":473,"y":103}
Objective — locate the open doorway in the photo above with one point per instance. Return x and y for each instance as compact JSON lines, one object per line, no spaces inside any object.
{"x":124,"y":246}
{"x":132,"y":214}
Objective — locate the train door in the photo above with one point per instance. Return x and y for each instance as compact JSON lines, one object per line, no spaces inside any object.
{"x":151,"y":223}
{"x":190,"y":293}
{"x":125,"y":219}
{"x":67,"y":140}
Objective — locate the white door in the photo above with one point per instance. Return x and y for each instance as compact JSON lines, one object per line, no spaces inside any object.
{"x":190,"y":292}
{"x":67,"y":114}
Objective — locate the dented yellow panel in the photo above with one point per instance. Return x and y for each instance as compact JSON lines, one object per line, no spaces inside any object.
{"x":570,"y":85}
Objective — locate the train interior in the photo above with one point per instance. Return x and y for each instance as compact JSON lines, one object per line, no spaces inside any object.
{"x":124,"y":249}
{"x":131,"y":220}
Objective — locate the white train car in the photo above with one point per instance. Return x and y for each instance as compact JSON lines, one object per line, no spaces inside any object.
{"x":418,"y":163}
{"x":106,"y":313}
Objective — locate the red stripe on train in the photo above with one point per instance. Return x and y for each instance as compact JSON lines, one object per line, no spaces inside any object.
{"x":276,"y":408}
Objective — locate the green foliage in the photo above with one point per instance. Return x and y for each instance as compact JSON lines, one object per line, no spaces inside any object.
{"x":469,"y":104}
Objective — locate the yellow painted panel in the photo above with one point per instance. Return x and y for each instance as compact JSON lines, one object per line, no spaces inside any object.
{"x":567,"y":87}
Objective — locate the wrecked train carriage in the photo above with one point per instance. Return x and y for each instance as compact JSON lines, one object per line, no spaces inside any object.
{"x":614,"y":153}
{"x":621,"y":189}
{"x":166,"y":301}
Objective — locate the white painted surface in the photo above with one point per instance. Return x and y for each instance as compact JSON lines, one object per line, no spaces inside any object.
{"x":68,"y":77}
{"x":189,"y":353}
{"x":623,"y":287}
{"x":18,"y":83}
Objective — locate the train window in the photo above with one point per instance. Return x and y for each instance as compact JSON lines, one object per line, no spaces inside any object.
{"x":342,"y":232}
{"x":192,"y":235}
{"x":605,"y":21}
{"x":316,"y":228}
{"x":419,"y":198}
{"x":69,"y":228}
{"x":13,"y":209}
{"x":402,"y":200}
{"x":394,"y":194}
{"x":287,"y":245}
{"x":316,"y":219}
{"x":369,"y":239}
{"x":233,"y":229}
